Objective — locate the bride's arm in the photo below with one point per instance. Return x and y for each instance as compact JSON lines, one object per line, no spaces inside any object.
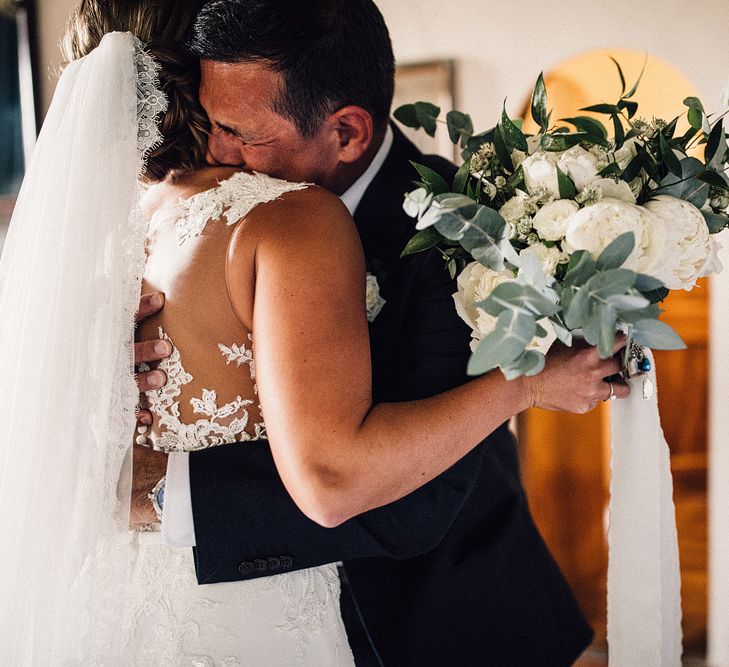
{"x":337,"y":454}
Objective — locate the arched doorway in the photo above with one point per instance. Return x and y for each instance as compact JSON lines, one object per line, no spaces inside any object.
{"x":565,"y":458}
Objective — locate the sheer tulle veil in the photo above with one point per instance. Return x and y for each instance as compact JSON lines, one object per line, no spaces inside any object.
{"x":70,"y":278}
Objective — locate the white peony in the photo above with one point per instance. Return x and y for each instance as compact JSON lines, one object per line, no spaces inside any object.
{"x":689,"y":251}
{"x":516,"y":208}
{"x":580,"y":165}
{"x":594,"y":227}
{"x":611,"y":189}
{"x":417,"y":202}
{"x":551,"y":220}
{"x":540,"y":171}
{"x":549,"y":258}
{"x":475,"y":284}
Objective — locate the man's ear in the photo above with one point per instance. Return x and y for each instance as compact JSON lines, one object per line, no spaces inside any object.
{"x":354,"y":131}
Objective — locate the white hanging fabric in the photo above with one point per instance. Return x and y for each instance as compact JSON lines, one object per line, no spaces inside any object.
{"x":644,"y":580}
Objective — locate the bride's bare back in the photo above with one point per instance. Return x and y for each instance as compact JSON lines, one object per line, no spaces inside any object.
{"x":211,"y":396}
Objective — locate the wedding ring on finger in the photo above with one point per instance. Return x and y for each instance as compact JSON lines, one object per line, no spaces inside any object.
{"x":611,"y":395}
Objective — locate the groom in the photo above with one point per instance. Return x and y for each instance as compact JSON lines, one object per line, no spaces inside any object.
{"x":456,"y":573}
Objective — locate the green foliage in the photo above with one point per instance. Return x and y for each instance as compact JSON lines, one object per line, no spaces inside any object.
{"x":539,"y":104}
{"x":512,"y":134}
{"x":460,"y":127}
{"x":424,"y":240}
{"x":514,"y":331}
{"x":433,"y":181}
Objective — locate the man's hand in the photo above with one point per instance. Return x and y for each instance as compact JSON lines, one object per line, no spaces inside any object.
{"x":148,"y":468}
{"x":150,"y":350}
{"x":574,"y":380}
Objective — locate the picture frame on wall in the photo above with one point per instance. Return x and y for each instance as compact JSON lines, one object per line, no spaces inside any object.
{"x":428,"y":81}
{"x":17,"y":101}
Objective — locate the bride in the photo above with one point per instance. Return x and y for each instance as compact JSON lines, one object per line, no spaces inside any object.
{"x":243,"y":259}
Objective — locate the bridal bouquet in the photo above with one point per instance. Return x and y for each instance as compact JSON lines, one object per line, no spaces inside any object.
{"x":573,"y":227}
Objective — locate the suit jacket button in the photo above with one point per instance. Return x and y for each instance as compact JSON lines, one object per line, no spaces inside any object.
{"x":261,"y":565}
{"x":274,"y":563}
{"x":286,"y":562}
{"x":246,"y":568}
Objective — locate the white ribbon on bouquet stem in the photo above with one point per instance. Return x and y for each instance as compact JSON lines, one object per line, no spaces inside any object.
{"x":644,"y":580}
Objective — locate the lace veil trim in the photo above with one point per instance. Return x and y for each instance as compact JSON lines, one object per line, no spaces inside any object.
{"x":151,"y":101}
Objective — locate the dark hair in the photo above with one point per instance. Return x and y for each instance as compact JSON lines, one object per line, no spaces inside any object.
{"x":164,"y":26}
{"x":331,"y":53}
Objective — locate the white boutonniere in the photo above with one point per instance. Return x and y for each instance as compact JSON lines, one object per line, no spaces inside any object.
{"x":373,"y":299}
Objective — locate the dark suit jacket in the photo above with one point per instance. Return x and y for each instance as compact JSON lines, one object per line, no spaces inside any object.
{"x":455,"y":573}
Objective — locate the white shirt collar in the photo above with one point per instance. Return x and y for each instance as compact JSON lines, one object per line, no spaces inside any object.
{"x":352,"y":197}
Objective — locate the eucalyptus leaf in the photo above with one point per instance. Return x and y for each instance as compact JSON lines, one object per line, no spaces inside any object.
{"x":646,"y":283}
{"x":694,"y":103}
{"x":606,"y":334}
{"x":688,"y":187}
{"x":580,"y":269}
{"x":424,"y":240}
{"x":514,"y":330}
{"x":427,"y":115}
{"x":512,"y":295}
{"x":627,"y":302}
{"x":716,"y":221}
{"x":460,"y":127}
{"x":615,"y":254}
{"x":606,"y":283}
{"x":563,"y":334}
{"x":579,"y":310}
{"x":529,"y":364}
{"x":651,"y":311}
{"x":695,"y":118}
{"x":656,"y":295}
{"x":407,"y":116}
{"x":657,"y":335}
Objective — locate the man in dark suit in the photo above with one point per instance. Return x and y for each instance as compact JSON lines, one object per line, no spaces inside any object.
{"x":455,"y":573}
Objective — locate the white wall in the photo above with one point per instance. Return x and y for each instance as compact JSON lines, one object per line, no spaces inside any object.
{"x":501,"y":47}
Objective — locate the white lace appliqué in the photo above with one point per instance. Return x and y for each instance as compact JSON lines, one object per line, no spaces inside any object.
{"x":151,"y":101}
{"x":203,"y":433}
{"x":233,"y":199}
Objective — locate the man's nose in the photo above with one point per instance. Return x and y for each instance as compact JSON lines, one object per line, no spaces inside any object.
{"x":224,"y":150}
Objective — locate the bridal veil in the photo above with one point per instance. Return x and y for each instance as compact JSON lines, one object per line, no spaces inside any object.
{"x":70,"y":277}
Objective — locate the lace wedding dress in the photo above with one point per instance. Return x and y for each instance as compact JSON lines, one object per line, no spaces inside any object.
{"x":210,"y":400}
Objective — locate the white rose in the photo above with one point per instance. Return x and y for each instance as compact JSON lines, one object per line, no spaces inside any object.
{"x":515,"y":208}
{"x":475,"y":284}
{"x":540,"y":171}
{"x":626,"y":152}
{"x":594,"y":227}
{"x":373,"y":301}
{"x":689,"y":252}
{"x":549,"y":258}
{"x":551,"y":220}
{"x":612,"y":189}
{"x":580,"y":165}
{"x":417,"y":202}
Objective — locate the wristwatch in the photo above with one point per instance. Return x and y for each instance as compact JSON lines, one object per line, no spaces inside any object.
{"x":157,"y":497}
